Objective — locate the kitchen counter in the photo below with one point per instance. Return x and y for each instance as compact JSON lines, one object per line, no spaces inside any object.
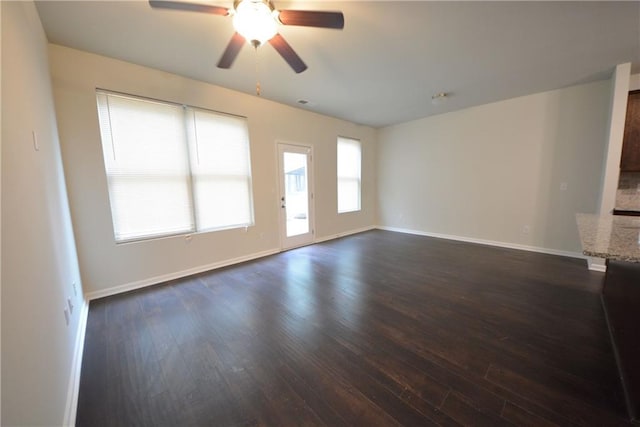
{"x":612,"y":237}
{"x":616,"y":238}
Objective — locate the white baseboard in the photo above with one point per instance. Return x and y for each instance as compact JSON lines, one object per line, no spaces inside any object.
{"x":176,"y":275}
{"x":597,"y":264}
{"x":346,"y":233}
{"x":200,"y":269}
{"x":487,"y":242}
{"x":76,"y":366}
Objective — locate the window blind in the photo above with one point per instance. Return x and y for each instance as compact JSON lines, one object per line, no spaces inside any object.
{"x":349,"y":174}
{"x":221,"y":170}
{"x":173,"y":169}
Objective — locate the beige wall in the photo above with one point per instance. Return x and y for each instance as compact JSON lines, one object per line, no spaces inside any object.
{"x":487,"y":172}
{"x":38,"y":254}
{"x":105,"y":265}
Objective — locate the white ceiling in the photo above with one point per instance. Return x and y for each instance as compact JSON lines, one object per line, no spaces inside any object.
{"x":388,"y":61}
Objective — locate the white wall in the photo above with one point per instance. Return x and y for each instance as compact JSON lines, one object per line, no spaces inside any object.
{"x":487,"y":172}
{"x":620,"y":85}
{"x":619,"y":93}
{"x":105,"y":265}
{"x":634,"y":82}
{"x":0,"y":228}
{"x":39,"y":260}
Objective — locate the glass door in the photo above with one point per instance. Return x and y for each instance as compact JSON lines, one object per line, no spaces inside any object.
{"x":296,"y":196}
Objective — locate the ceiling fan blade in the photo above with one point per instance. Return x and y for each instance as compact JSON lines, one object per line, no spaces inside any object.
{"x":232,"y":50}
{"x":310,"y":18}
{"x":287,"y":52}
{"x":193,"y":7}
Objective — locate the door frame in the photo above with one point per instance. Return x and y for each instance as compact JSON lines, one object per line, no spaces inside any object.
{"x":307,"y":238}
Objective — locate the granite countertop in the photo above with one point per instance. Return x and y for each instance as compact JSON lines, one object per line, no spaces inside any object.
{"x":610,"y":236}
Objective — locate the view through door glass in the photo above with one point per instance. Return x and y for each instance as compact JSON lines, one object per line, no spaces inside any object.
{"x":296,"y":193}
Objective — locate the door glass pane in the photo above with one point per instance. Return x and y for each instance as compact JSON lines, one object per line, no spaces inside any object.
{"x":296,"y":193}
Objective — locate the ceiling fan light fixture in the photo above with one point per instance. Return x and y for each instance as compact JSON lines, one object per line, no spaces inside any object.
{"x":255,"y":20}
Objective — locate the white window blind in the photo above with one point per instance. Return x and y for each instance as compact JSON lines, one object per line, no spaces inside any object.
{"x":349,"y":164}
{"x":221,"y":169}
{"x":173,"y":169}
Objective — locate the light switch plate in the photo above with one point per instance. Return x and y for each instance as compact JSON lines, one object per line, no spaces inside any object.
{"x":36,"y":145}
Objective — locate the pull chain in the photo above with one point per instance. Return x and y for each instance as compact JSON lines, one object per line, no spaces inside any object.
{"x":255,"y":45}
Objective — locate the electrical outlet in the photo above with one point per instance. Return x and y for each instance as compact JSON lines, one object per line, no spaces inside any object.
{"x":66,"y":316}
{"x":563,"y":186}
{"x":70,"y":305}
{"x":526,"y":229}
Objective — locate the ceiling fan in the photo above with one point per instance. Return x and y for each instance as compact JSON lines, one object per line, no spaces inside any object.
{"x":256,"y":21}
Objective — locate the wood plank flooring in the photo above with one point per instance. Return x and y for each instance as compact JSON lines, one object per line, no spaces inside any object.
{"x":375,"y":329}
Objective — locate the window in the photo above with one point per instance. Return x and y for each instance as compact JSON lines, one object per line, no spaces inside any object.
{"x":349,"y":160}
{"x":173,"y":169}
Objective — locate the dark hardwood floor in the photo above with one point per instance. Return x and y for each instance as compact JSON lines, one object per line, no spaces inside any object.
{"x":378,"y":328}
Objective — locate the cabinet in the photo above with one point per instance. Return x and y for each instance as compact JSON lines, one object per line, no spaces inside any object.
{"x":621,"y":299}
{"x":630,"y":161}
